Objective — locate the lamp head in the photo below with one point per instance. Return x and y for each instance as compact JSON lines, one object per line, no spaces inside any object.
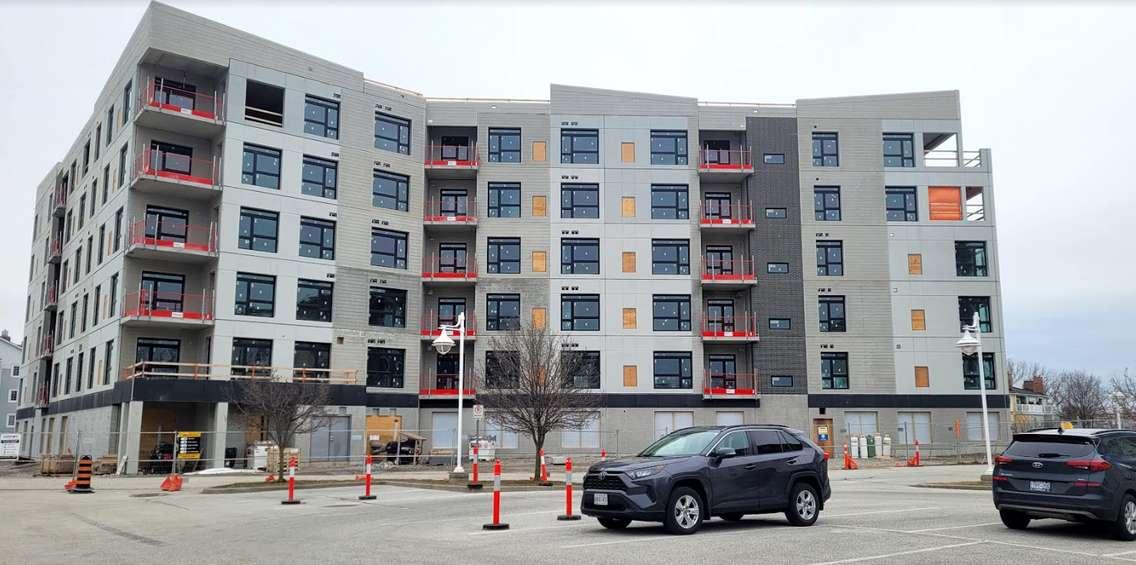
{"x":443,"y":343}
{"x":968,"y":343}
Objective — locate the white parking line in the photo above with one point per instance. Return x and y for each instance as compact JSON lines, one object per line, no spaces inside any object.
{"x":952,"y":527}
{"x":897,"y":554}
{"x":897,"y":511}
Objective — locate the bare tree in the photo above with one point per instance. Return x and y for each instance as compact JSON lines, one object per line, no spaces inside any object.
{"x":1124,"y":394}
{"x":1079,"y":395}
{"x":534,"y":385}
{"x":1019,"y":371}
{"x":283,"y":408}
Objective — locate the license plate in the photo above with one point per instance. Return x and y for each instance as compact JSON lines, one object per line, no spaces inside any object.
{"x":1039,"y":486}
{"x":599,"y":499}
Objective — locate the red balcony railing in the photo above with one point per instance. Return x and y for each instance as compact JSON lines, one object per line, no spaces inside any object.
{"x":47,"y":345}
{"x":433,"y":270}
{"x":177,"y":167}
{"x":430,"y":325}
{"x":55,"y":249}
{"x":740,"y":214}
{"x":203,"y":371}
{"x":462,"y":211}
{"x":444,"y":385}
{"x":169,"y":305}
{"x":730,"y":385}
{"x":725,"y":160}
{"x":193,"y":238}
{"x":456,"y":156}
{"x":51,"y":299}
{"x":743,"y":326}
{"x":183,"y":101}
{"x":730,"y":270}
{"x":59,"y":198}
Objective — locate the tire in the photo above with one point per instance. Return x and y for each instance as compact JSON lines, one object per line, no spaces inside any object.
{"x":733,"y":516}
{"x":1014,"y":520}
{"x":684,"y":511}
{"x":614,"y":523}
{"x":1124,"y":528}
{"x":804,"y":505}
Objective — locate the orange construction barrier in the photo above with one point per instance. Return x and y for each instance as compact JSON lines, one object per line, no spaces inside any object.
{"x":496,"y":524}
{"x":291,"y":483}
{"x":915,"y":461}
{"x":367,"y":481}
{"x":82,"y":482}
{"x":543,"y":468}
{"x":474,"y":481}
{"x":172,"y":483}
{"x":849,"y":462}
{"x":568,"y":515}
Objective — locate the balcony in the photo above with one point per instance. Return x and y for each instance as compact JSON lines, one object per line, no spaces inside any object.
{"x":728,"y":274}
{"x":452,"y":161}
{"x":443,"y":385}
{"x":58,"y":203}
{"x":731,"y":329}
{"x":732,"y":216}
{"x":207,"y":372}
{"x":950,"y":158}
{"x":459,"y":273}
{"x":724,"y":164}
{"x":168,"y":309}
{"x":51,"y":299}
{"x":47,"y":345}
{"x":195,"y":243}
{"x":165,"y":173}
{"x":55,"y":250}
{"x":43,"y":397}
{"x":430,"y":323}
{"x":730,"y":386}
{"x":450,"y":212}
{"x":180,"y":108}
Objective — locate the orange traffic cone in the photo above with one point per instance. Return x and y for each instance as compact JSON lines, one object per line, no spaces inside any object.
{"x":915,"y":460}
{"x":849,"y":462}
{"x":172,"y":483}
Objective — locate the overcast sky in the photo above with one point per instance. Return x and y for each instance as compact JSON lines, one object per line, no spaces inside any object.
{"x":1049,"y":89}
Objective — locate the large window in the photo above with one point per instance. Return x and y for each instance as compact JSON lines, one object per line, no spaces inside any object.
{"x":970,"y":371}
{"x":387,"y":307}
{"x":673,"y":370}
{"x":392,"y":134}
{"x":170,"y":157}
{"x":321,"y":117}
{"x":580,"y":312}
{"x":264,"y":103}
{"x":833,"y":370}
{"x":313,"y":300}
{"x":388,"y":249}
{"x":579,"y":200}
{"x":317,"y":238}
{"x":830,"y":258}
{"x":503,"y":312}
{"x":502,"y":369}
{"x":580,"y":146}
{"x":968,"y":305}
{"x":585,"y":436}
{"x":256,"y":295}
{"x":250,"y":353}
{"x":832,"y":314}
{"x":261,"y":166}
{"x":504,"y":200}
{"x":258,"y":230}
{"x":504,"y":145}
{"x":970,"y":259}
{"x":452,"y":257}
{"x":826,"y":203}
{"x":157,"y":355}
{"x":385,"y":367}
{"x":162,"y":291}
{"x":166,"y":224}
{"x":900,"y":204}
{"x":899,"y":150}
{"x":826,"y":150}
{"x":670,"y":202}
{"x":579,"y":256}
{"x":670,"y":256}
{"x":586,"y":368}
{"x":504,"y":255}
{"x":320,"y":177}
{"x":390,"y":191}
{"x":671,"y":312}
{"x":668,"y":147}
{"x":312,"y":360}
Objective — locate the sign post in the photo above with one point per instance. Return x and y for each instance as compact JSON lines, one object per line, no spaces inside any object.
{"x":9,"y":445}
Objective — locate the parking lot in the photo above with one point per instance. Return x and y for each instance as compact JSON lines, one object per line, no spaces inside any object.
{"x":874,"y":516}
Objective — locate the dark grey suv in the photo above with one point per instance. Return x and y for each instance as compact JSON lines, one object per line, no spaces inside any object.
{"x":692,"y":474}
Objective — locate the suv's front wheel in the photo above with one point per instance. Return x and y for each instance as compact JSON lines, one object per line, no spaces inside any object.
{"x":804,"y":506}
{"x":684,"y":511}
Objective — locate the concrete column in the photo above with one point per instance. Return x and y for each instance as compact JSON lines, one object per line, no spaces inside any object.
{"x":130,"y":442}
{"x":218,"y":441}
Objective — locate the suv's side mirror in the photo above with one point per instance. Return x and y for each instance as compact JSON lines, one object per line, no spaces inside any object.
{"x":724,"y":452}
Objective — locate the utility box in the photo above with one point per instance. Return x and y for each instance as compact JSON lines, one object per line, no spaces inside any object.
{"x":854,"y":446}
{"x":864,"y":447}
{"x":256,"y":456}
{"x":871,"y":447}
{"x":887,"y":446}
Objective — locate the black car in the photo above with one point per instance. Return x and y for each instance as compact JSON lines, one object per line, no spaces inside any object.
{"x":692,"y":474}
{"x":1079,"y":475}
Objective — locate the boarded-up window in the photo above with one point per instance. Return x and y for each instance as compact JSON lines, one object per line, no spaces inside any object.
{"x":945,"y":203}
{"x":538,"y":317}
{"x":629,"y":321}
{"x":915,"y":264}
{"x":539,"y":261}
{"x":540,"y":151}
{"x":539,"y":206}
{"x":922,"y":377}
{"x":630,"y":376}
{"x":918,"y":320}
{"x":627,"y":151}
{"x":627,"y":206}
{"x":629,"y":261}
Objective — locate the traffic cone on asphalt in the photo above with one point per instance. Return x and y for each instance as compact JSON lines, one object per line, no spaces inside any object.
{"x":543,"y":470}
{"x":496,"y":524}
{"x":172,"y":483}
{"x":915,"y":461}
{"x":82,"y":482}
{"x":849,"y":462}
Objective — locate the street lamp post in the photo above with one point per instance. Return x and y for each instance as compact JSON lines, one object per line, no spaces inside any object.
{"x":1118,"y":401}
{"x":971,"y":344}
{"x":443,"y":344}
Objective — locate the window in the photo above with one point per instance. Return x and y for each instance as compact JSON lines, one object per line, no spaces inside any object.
{"x":667,"y":422}
{"x":539,"y":205}
{"x":970,"y":259}
{"x":251,"y":353}
{"x":98,"y":140}
{"x":74,"y":316}
{"x":167,"y":224}
{"x":915,"y":264}
{"x":580,"y":146}
{"x":108,"y":361}
{"x":918,"y":320}
{"x":630,"y":318}
{"x":387,"y":307}
{"x":314,"y":357}
{"x":260,"y":166}
{"x":779,"y":323}
{"x":13,"y":395}
{"x":975,"y":209}
{"x":504,"y":255}
{"x":900,"y":204}
{"x":264,"y":103}
{"x":112,"y":296}
{"x":501,"y":437}
{"x":258,"y":230}
{"x":673,"y":370}
{"x":123,"y":159}
{"x":82,"y":210}
{"x":670,"y":202}
{"x":671,"y":312}
{"x":670,"y":256}
{"x":90,"y":251}
{"x":579,"y":256}
{"x":390,"y":191}
{"x":106,"y":183}
{"x":392,"y":134}
{"x":628,"y":261}
{"x":830,"y":258}
{"x":385,"y":367}
{"x":922,"y":376}
{"x":777,"y":268}
{"x":627,"y":206}
{"x":776,"y":213}
{"x":584,"y":367}
{"x":832,"y":316}
{"x":502,"y":369}
{"x":175,"y":93}
{"x":579,"y":200}
{"x":585,"y":436}
{"x":319,"y":177}
{"x":540,"y":151}
{"x":321,"y":117}
{"x":717,"y":205}
{"x":85,"y":312}
{"x":899,"y":150}
{"x":452,"y":258}
{"x":833,"y":370}
{"x":126,"y":102}
{"x":504,"y":145}
{"x":110,"y":124}
{"x":448,"y":311}
{"x":95,"y":306}
{"x":627,"y":151}
{"x":317,"y":238}
{"x":580,"y":312}
{"x":826,"y":203}
{"x":974,"y":430}
{"x":773,"y":158}
{"x":388,"y":249}
{"x":630,"y":376}
{"x":668,"y":147}
{"x":781,"y":381}
{"x":968,"y":305}
{"x":162,"y":291}
{"x":313,"y":300}
{"x":970,"y":371}
{"x":256,"y":295}
{"x":503,"y":312}
{"x":944,"y":203}
{"x":504,"y":200}
{"x":825,"y":150}
{"x":158,"y":355}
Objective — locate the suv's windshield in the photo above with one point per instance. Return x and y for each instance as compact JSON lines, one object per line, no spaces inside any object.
{"x":682,"y":442}
{"x":1049,"y":447}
